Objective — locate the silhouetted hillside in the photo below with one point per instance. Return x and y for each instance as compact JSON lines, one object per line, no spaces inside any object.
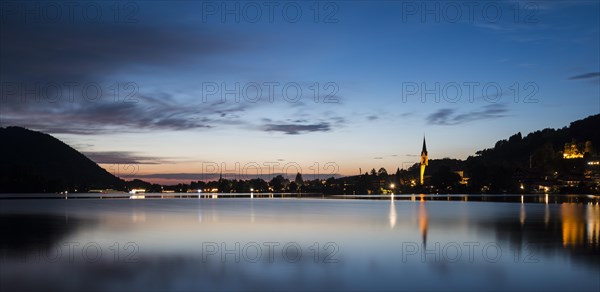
{"x":31,"y":161}
{"x":531,"y":161}
{"x":539,"y":155}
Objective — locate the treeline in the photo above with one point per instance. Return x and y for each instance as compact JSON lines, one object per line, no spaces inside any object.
{"x":278,"y":184}
{"x":537,"y":159}
{"x":444,"y":178}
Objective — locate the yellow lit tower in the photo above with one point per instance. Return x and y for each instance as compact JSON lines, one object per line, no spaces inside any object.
{"x":424,"y":160}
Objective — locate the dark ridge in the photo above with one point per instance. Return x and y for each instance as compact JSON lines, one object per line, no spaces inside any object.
{"x":32,"y":161}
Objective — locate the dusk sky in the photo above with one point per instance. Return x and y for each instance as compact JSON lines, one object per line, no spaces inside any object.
{"x":371,"y":62}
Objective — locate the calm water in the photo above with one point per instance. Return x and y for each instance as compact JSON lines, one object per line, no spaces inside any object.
{"x":413,"y":243}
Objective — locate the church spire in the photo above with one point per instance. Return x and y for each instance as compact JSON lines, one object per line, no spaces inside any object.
{"x":424,"y":161}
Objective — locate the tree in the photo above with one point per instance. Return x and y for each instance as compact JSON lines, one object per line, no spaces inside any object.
{"x":278,"y":183}
{"x":299,"y":181}
{"x":258,"y":184}
{"x":293,"y":187}
{"x":444,"y":178}
{"x":225,"y":186}
{"x":382,"y":172}
{"x":397,"y":177}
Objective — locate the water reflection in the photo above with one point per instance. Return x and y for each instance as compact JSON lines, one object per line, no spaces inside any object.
{"x":369,"y":235}
{"x":423,"y":222}
{"x":580,"y":224}
{"x":392,"y":214}
{"x":593,"y":224}
{"x":546,"y":215}
{"x":567,"y":229}
{"x":522,"y":214}
{"x":32,"y":233}
{"x":573,"y":227}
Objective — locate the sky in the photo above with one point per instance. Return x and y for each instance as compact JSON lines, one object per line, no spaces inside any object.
{"x":175,"y":91}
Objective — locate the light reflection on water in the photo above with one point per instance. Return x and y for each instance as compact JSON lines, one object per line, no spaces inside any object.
{"x":291,"y":244}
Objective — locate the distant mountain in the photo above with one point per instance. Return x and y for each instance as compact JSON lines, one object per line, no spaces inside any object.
{"x":32,"y":161}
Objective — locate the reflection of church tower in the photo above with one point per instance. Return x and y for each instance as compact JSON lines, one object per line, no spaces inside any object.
{"x":423,"y":223}
{"x":424,"y":160}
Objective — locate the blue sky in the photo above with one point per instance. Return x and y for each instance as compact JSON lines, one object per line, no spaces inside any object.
{"x":364,"y":57}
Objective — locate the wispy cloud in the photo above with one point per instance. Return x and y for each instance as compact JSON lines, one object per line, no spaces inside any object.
{"x":538,"y":22}
{"x":295,"y":129}
{"x":150,"y":112}
{"x":315,"y":121}
{"x":158,"y":111}
{"x":97,"y":53}
{"x":122,"y":157}
{"x":585,"y":76}
{"x":448,"y":116}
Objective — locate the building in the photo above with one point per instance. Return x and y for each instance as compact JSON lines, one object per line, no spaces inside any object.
{"x":574,"y":151}
{"x":463,"y":179}
{"x":424,"y":161}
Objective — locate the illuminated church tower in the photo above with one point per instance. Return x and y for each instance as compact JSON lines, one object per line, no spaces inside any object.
{"x":424,"y":160}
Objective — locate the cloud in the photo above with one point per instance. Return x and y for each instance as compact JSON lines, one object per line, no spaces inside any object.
{"x":92,"y":51}
{"x":440,"y":116}
{"x":533,"y":25}
{"x":311,"y":122}
{"x":585,"y":76}
{"x":449,"y":116}
{"x":47,"y":54}
{"x":150,"y":112}
{"x":160,"y":51}
{"x":295,"y":129}
{"x":122,"y":157}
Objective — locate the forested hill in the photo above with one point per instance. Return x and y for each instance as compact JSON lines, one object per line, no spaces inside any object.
{"x":539,"y":154}
{"x":517,"y":148}
{"x":32,"y":161}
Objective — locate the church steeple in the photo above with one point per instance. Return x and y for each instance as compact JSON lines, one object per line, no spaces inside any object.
{"x":424,"y":161}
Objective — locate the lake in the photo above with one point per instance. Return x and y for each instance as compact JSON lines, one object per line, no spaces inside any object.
{"x":286,"y":242}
